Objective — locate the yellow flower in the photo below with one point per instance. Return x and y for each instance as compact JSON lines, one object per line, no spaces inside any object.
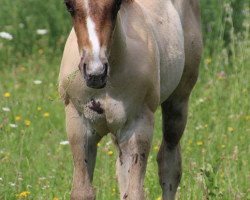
{"x":223,"y":146}
{"x":46,"y":114}
{"x":208,"y":61}
{"x":156,"y":148}
{"x":55,"y":198}
{"x":247,"y":118}
{"x":39,"y":108}
{"x":230,"y":129}
{"x":113,"y":190}
{"x":18,"y":118}
{"x":159,"y":198}
{"x":98,"y":144}
{"x":7,"y":94}
{"x":23,"y":194}
{"x":27,"y":122}
{"x":110,"y":153}
{"x":244,"y":90}
{"x":199,"y":143}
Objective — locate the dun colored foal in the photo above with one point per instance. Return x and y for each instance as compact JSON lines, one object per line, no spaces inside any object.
{"x":123,"y":59}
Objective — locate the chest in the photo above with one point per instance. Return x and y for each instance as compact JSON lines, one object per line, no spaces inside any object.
{"x":104,"y":113}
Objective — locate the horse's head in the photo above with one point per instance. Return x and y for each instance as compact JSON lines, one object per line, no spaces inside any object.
{"x":94,"y":22}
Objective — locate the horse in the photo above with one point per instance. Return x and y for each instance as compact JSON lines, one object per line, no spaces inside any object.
{"x":122,"y":60}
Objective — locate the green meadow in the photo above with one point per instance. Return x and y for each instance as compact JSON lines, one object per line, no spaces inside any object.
{"x":35,"y":160}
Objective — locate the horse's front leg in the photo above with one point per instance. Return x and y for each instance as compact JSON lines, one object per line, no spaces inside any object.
{"x":132,"y":161}
{"x":83,"y":146}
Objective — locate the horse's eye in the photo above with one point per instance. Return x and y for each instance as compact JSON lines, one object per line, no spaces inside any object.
{"x":70,"y":7}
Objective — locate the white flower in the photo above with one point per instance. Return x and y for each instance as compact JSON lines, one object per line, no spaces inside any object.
{"x":108,"y":143}
{"x":6,"y":35}
{"x":41,"y":31}
{"x":37,"y":82}
{"x":1,"y":178}
{"x":13,"y":125}
{"x":42,"y":178}
{"x":6,"y":109}
{"x":12,"y":184}
{"x":64,"y":142}
{"x":21,"y":25}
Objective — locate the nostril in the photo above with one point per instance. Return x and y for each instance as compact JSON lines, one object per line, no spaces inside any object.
{"x":85,"y":69}
{"x":84,"y":66}
{"x":106,"y":68}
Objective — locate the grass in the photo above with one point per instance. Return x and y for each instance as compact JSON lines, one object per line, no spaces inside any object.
{"x":215,"y":145}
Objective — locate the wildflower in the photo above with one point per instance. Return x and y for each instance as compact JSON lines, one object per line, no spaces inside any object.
{"x":42,"y":178}
{"x":18,"y":118}
{"x":221,"y":75}
{"x":55,"y":198}
{"x":6,"y":109}
{"x":39,"y":108}
{"x":208,"y":61}
{"x":199,"y":127}
{"x":244,"y":90}
{"x":6,"y":35}
{"x":27,"y":122}
{"x":113,"y":190}
{"x":98,"y":144}
{"x":21,"y":25}
{"x":12,"y":184}
{"x":7,"y":94}
{"x":13,"y":125}
{"x":64,"y":142}
{"x":41,"y":31}
{"x":110,"y":153}
{"x":223,"y":146}
{"x":247,"y":118}
{"x":200,"y":100}
{"x":23,"y":194}
{"x":199,"y":143}
{"x":46,"y":114}
{"x":108,"y":143}
{"x":37,"y":82}
{"x":156,"y":148}
{"x":159,"y":198}
{"x":230,"y":129}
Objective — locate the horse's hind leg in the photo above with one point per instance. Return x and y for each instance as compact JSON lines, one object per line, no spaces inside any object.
{"x":174,"y":114}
